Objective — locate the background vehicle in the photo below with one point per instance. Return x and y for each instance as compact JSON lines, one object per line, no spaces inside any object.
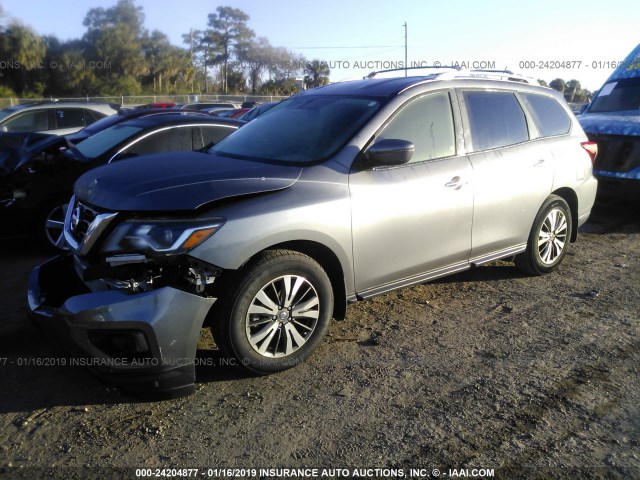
{"x":335,"y":195}
{"x":35,"y":191}
{"x":52,"y":117}
{"x":209,"y":105}
{"x":256,"y":111}
{"x":231,"y":113}
{"x":612,"y":120}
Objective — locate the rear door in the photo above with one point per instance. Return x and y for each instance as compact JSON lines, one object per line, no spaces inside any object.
{"x":513,"y":171}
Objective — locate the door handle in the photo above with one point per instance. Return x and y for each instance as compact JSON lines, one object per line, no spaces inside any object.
{"x":456,"y":183}
{"x":539,"y":163}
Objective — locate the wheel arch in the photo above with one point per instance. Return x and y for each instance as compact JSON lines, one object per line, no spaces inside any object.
{"x":329,"y":262}
{"x":569,"y":196}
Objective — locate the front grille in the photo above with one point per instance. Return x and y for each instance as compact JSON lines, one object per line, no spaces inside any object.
{"x":84,"y":225}
{"x":616,"y":153}
{"x":82,"y":216}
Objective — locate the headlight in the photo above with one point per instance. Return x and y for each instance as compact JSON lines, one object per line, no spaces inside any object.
{"x":160,"y":236}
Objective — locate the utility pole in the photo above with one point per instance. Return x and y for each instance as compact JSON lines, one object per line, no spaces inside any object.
{"x":406,"y":65}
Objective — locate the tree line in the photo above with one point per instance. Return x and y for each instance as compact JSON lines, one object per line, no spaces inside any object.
{"x":572,"y":90}
{"x":118,"y":56}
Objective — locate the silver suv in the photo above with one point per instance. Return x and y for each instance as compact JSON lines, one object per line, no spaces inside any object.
{"x":332,"y":196}
{"x":59,"y":118}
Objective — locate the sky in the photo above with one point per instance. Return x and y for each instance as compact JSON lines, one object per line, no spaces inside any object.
{"x":545,"y":39}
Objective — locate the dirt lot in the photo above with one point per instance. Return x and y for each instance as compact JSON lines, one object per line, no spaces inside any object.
{"x":490,"y":369}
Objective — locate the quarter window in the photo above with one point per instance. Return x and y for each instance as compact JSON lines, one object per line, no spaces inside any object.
{"x":550,"y":118}
{"x":427,"y":122}
{"x":496,"y":119}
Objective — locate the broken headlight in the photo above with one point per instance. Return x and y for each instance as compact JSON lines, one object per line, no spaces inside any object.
{"x":160,"y":236}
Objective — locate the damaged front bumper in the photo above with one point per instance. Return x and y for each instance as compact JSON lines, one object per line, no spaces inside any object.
{"x":143,"y":343}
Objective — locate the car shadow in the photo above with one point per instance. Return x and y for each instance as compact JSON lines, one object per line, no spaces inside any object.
{"x":613,"y":215}
{"x":44,"y":378}
{"x":500,"y":270}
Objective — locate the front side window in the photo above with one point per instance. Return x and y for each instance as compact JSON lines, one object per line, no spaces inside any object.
{"x":427,"y":122}
{"x":301,"y":130}
{"x":212,"y":134}
{"x":33,"y":121}
{"x":167,"y":140}
{"x":496,"y":119}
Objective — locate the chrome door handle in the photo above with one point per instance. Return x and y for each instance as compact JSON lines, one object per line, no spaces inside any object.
{"x":456,"y":183}
{"x":539,"y":163}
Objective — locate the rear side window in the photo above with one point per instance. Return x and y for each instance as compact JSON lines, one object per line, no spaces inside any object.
{"x":550,"y":118}
{"x":70,"y":117}
{"x":496,"y":119}
{"x":426,"y":122}
{"x":91,"y":116}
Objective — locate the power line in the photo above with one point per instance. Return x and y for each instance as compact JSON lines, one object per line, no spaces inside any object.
{"x":330,"y":48}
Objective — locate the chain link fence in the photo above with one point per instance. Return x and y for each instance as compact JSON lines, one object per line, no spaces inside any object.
{"x":132,"y":101}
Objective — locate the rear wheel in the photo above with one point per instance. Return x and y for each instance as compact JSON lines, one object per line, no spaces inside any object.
{"x":277,"y":312}
{"x":549,"y":238}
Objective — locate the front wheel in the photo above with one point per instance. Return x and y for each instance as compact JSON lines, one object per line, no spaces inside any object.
{"x":276,"y":313}
{"x":50,"y":224}
{"x":549,"y":238}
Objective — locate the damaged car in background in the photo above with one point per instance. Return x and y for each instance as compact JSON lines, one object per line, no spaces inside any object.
{"x":612,"y":120}
{"x":37,"y":172}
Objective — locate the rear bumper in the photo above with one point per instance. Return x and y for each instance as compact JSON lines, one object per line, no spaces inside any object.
{"x":144,"y":343}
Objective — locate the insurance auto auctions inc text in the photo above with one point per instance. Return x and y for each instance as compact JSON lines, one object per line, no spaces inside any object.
{"x":365,"y":473}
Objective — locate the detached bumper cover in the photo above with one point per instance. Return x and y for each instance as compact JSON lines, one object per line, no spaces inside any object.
{"x":143,"y":342}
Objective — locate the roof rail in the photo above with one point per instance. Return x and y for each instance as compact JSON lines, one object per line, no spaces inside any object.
{"x":411,"y":71}
{"x":449,"y":72}
{"x":507,"y":75}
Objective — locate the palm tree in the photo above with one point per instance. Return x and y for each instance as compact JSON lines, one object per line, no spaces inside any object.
{"x":316,"y":73}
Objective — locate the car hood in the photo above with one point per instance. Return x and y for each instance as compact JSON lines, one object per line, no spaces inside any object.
{"x":17,"y":148}
{"x":619,"y":123}
{"x":179,"y":181}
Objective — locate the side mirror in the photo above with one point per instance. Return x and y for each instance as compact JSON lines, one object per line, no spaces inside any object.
{"x":389,"y":152}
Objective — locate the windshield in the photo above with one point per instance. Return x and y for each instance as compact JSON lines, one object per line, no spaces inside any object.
{"x":105,"y":140}
{"x":101,"y":124}
{"x":6,"y":112}
{"x":303,"y":129}
{"x":618,"y":96}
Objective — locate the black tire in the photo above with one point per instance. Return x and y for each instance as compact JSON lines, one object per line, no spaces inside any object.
{"x":49,"y":222}
{"x":549,"y":238}
{"x":265,"y":331}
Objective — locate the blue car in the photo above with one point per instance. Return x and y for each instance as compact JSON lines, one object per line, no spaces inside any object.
{"x":612,"y":120}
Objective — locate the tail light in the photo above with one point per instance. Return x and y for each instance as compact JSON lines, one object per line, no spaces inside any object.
{"x":591,"y":148}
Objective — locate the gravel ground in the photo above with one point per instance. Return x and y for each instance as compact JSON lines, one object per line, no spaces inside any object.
{"x":489,"y":369}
